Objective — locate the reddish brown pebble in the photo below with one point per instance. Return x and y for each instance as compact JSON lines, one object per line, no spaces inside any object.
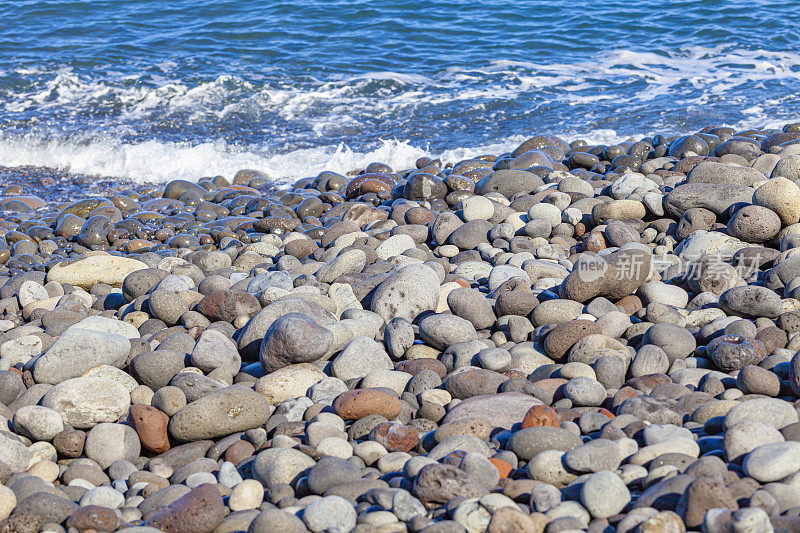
{"x":551,"y":385}
{"x":564,"y":336}
{"x":567,"y":415}
{"x":395,"y":437}
{"x":93,"y":518}
{"x":356,"y":404}
{"x":594,"y":241}
{"x":630,"y":304}
{"x":241,"y":449}
{"x":415,"y":366}
{"x":647,"y":383}
{"x":151,"y":426}
{"x":540,"y":416}
{"x":502,"y":466}
{"x":199,"y":511}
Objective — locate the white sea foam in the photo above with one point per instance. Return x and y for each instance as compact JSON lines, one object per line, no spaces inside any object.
{"x":156,"y":161}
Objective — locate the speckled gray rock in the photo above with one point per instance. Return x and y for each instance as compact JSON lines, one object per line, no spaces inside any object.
{"x":78,"y":350}
{"x":293,"y":338}
{"x":438,"y":483}
{"x":14,"y":453}
{"x":86,"y":402}
{"x":471,"y":305}
{"x":585,"y":391}
{"x":407,"y":293}
{"x":331,"y":513}
{"x":504,"y":409}
{"x":37,"y":422}
{"x":751,"y":301}
{"x":745,"y":436}
{"x":604,"y":494}
{"x":226,"y":411}
{"x":528,"y":442}
{"x":593,"y":456}
{"x":361,"y":356}
{"x":771,"y":411}
{"x":443,"y":330}
{"x":215,"y":350}
{"x":280,"y":465}
{"x":107,"y":443}
{"x":253,"y":333}
{"x":331,"y":471}
{"x":773,"y":462}
{"x":677,"y":342}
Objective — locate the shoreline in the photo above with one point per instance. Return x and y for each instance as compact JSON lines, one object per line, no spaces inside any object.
{"x":560,"y":337}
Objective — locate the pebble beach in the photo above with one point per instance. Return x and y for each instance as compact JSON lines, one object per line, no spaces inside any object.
{"x":562,"y":337}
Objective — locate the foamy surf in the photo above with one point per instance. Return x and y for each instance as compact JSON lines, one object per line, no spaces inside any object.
{"x":157,"y":161}
{"x":160,"y":161}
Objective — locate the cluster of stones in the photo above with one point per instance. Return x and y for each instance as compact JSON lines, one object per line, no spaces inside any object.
{"x":561,"y":338}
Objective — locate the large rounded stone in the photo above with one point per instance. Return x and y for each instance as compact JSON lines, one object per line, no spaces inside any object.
{"x":331,"y":471}
{"x":87,"y":401}
{"x":37,"y":422}
{"x":167,"y":306}
{"x":773,"y":462}
{"x":293,"y":338}
{"x":716,"y":197}
{"x":360,"y":357}
{"x":106,"y":443}
{"x":782,"y":196}
{"x":14,"y":453}
{"x":771,"y":411}
{"x":331,"y":513}
{"x":753,"y":223}
{"x":226,"y":411}
{"x":215,"y":350}
{"x":228,"y":305}
{"x":139,"y":282}
{"x":88,"y":271}
{"x":356,"y":404}
{"x":436,"y":484}
{"x":504,"y":409}
{"x":564,"y":336}
{"x":407,"y":293}
{"x":251,"y":336}
{"x":614,"y":276}
{"x":604,"y":494}
{"x":744,"y":437}
{"x":473,"y":382}
{"x":443,"y":330}
{"x":77,"y":351}
{"x":675,"y":341}
{"x":528,"y":442}
{"x":289,"y":382}
{"x":280,"y":465}
{"x":732,"y":352}
{"x":201,"y":511}
{"x":751,"y":301}
{"x":473,"y":306}
{"x":508,"y":182}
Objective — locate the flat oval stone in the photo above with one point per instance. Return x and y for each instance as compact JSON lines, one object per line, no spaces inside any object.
{"x":773,"y":462}
{"x":223,"y":412}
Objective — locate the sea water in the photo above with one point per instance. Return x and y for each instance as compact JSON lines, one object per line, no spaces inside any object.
{"x":149,"y":90}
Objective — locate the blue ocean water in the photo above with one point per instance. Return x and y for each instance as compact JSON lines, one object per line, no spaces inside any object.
{"x":149,"y":90}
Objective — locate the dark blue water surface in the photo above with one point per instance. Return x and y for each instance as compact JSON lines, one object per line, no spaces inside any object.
{"x":149,"y":89}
